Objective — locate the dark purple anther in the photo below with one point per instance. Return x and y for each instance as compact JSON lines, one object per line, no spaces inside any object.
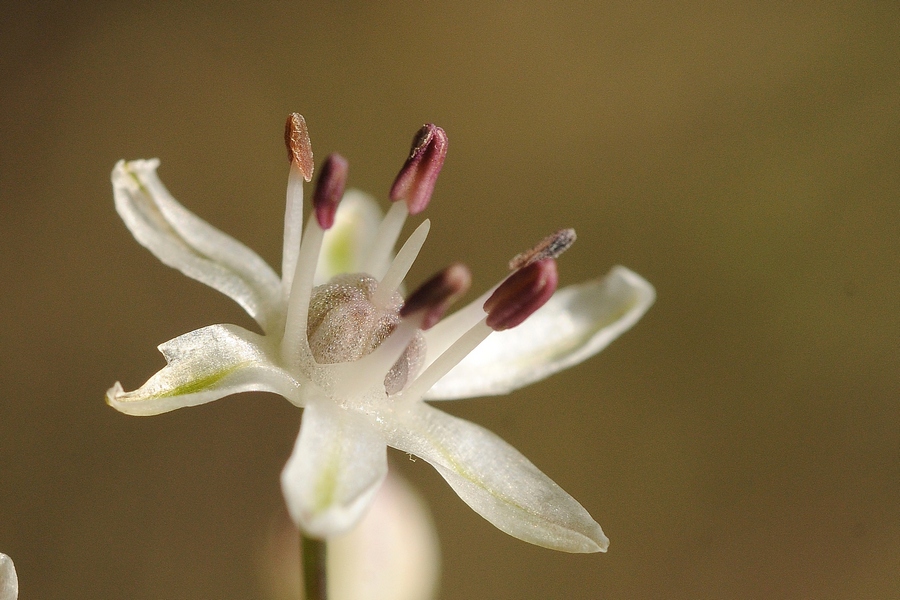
{"x":436,"y":295}
{"x":415,"y":182}
{"x":521,"y":294}
{"x":329,"y":189}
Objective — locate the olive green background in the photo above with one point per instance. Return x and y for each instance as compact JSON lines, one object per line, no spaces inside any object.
{"x":743,"y":441}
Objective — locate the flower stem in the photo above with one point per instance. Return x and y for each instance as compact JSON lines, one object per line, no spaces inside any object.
{"x":313,"y":557}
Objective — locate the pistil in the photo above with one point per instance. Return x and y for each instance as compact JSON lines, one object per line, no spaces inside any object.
{"x":422,"y":309}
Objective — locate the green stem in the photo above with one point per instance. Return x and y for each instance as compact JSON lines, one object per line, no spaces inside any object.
{"x":313,"y":556}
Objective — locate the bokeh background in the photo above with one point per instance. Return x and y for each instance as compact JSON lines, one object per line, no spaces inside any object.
{"x":743,"y":441}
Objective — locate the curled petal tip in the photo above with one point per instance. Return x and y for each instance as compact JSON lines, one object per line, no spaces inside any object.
{"x":415,"y":182}
{"x":550,"y":247}
{"x":435,"y":296}
{"x":521,"y":294}
{"x":299,"y":148}
{"x":330,"y":189}
{"x":113,"y":393}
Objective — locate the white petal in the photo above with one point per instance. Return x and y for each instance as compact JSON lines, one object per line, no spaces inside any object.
{"x":346,"y":244}
{"x":186,"y":242}
{"x":497,"y":481}
{"x":392,"y":554}
{"x":578,"y":322}
{"x":9,"y":583}
{"x":337,"y":465}
{"x":205,"y":365}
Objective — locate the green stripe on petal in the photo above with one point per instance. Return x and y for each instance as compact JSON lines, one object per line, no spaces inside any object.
{"x":337,"y":465}
{"x":202,"y":384}
{"x":205,"y":365}
{"x":497,"y":481}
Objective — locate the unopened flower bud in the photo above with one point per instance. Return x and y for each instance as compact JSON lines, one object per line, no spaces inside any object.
{"x":299,"y":148}
{"x":329,"y":189}
{"x":415,"y":182}
{"x":521,"y":294}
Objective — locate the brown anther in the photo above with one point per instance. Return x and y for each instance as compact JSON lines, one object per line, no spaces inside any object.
{"x":299,"y":148}
{"x":415,"y":182}
{"x":436,"y":295}
{"x":329,"y":189}
{"x":521,"y":294}
{"x":550,"y":247}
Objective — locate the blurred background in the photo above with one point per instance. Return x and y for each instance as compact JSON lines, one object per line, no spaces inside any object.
{"x":742,"y":441}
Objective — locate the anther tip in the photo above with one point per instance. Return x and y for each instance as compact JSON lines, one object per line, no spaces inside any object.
{"x":435,"y":296}
{"x":299,"y":148}
{"x":550,"y":247}
{"x":521,"y":294}
{"x":329,"y":189}
{"x":415,"y":181}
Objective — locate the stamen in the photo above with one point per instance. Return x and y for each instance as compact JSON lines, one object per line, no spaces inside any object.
{"x":299,"y":148}
{"x":416,"y":179}
{"x":404,"y":260}
{"x":448,"y":330}
{"x":550,"y":247}
{"x":295,"y":344}
{"x":385,"y":239}
{"x":445,"y":333}
{"x":442,"y":365}
{"x":521,"y":294}
{"x":513,"y":301}
{"x":293,"y":223}
{"x":329,"y":189}
{"x":435,"y":296}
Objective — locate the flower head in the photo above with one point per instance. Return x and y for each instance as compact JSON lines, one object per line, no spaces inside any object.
{"x":339,"y":340}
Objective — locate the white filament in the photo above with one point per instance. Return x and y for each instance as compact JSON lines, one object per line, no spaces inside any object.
{"x":385,"y":240}
{"x":446,"y":361}
{"x":295,"y":344}
{"x":449,"y":329}
{"x":293,"y":222}
{"x":400,"y":266}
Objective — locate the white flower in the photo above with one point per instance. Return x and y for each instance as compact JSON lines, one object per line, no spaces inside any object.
{"x":359,"y":361}
{"x":9,"y":583}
